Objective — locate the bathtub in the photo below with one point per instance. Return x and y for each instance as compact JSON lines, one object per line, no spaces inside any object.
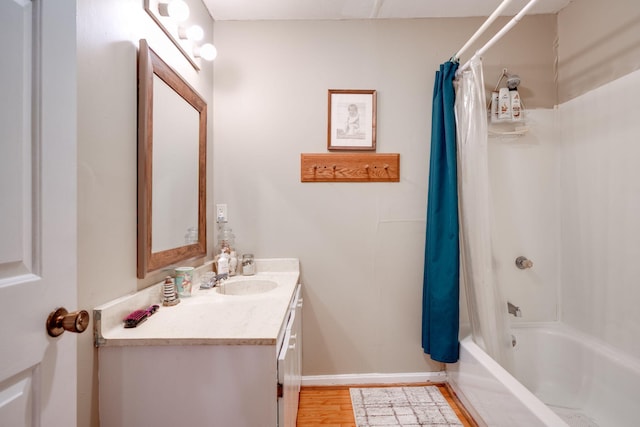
{"x":581,"y":381}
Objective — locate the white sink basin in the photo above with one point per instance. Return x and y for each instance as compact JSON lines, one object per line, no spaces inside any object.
{"x":246,"y":286}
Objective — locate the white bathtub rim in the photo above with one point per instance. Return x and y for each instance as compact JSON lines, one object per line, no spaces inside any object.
{"x":538,"y":409}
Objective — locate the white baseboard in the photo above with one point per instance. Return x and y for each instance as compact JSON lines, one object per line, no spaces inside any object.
{"x":358,"y":379}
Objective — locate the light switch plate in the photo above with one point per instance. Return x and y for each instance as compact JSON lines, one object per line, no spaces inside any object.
{"x":221,"y":212}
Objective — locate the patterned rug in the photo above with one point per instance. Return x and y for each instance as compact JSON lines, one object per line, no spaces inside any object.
{"x":401,"y":407}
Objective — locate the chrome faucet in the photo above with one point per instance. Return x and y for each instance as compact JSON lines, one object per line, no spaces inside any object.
{"x":514,"y":310}
{"x":220,"y":282}
{"x":219,"y":279}
{"x":214,"y":281}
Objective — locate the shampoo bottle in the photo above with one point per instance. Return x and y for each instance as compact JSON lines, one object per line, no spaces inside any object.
{"x":516,"y":109}
{"x":494,"y":106}
{"x":504,"y":104}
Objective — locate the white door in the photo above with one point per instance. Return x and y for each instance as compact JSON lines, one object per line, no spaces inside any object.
{"x":37,"y":210}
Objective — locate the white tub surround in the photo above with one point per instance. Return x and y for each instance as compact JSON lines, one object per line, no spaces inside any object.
{"x":206,"y":317}
{"x":213,"y":359}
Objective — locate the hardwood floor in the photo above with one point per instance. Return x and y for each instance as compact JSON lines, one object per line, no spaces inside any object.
{"x":326,"y":407}
{"x":330,"y":406}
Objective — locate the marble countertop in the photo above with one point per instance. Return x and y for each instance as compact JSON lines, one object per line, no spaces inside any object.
{"x":206,"y":317}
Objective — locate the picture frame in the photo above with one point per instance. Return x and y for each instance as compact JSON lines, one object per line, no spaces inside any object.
{"x":351,"y":120}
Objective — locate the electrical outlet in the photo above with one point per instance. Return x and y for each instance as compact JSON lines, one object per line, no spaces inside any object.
{"x":221,"y":212}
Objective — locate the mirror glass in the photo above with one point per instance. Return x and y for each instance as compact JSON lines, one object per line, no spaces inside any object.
{"x":175,"y":148}
{"x":171,"y":166}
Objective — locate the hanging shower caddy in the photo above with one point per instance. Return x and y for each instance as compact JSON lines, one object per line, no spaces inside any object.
{"x":506,"y":109}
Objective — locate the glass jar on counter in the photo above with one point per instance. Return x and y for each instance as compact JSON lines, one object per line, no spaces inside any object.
{"x":248,"y":265}
{"x":226,"y":239}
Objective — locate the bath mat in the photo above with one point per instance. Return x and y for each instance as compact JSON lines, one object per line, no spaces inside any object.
{"x":401,"y":407}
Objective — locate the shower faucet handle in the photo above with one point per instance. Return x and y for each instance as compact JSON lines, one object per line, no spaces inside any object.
{"x":523,"y":262}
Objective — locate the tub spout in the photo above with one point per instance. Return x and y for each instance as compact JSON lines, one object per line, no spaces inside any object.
{"x":514,"y":310}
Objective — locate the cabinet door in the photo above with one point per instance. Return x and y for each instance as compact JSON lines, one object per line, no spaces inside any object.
{"x":296,"y":335}
{"x":286,"y":368}
{"x":289,"y":368}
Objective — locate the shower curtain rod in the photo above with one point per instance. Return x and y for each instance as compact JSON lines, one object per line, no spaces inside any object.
{"x":482,"y":29}
{"x":498,"y":35}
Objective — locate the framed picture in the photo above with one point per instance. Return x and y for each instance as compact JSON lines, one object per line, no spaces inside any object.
{"x":352,"y":120}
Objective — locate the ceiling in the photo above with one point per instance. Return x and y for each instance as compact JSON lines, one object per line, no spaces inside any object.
{"x":252,"y":10}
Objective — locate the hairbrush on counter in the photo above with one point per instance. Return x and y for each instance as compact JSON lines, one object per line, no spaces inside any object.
{"x":139,"y":316}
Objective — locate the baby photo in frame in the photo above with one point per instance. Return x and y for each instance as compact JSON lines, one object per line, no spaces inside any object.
{"x":352,"y":120}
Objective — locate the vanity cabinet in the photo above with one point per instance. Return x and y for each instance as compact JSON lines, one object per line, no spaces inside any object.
{"x":233,"y":376}
{"x":188,"y":385}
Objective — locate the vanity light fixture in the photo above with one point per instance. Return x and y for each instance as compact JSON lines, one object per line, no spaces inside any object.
{"x":207,"y":51}
{"x":173,"y":17}
{"x":194,"y":33}
{"x":177,"y":10}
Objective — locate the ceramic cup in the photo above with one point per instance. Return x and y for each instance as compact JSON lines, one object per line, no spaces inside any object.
{"x":184,"y":280}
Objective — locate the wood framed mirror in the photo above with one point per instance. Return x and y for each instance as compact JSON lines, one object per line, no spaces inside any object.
{"x":172,"y":151}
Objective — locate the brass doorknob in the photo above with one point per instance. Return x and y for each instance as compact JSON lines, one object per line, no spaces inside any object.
{"x":61,"y":320}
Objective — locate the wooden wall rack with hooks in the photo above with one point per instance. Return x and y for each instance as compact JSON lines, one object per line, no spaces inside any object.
{"x":351,"y":167}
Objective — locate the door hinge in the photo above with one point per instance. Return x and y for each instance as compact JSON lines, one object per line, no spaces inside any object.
{"x":280,"y":391}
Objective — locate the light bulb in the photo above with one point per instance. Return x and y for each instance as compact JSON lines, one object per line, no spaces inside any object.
{"x":208,"y":52}
{"x":194,"y":33}
{"x":178,"y":10}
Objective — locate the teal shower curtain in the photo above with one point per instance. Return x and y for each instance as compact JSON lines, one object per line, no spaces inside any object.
{"x":440,"y":308}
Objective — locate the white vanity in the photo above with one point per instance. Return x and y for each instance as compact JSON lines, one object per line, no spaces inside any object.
{"x":212,"y":360}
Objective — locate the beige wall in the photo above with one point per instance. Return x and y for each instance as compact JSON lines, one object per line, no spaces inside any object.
{"x":108,"y":36}
{"x":599,"y":41}
{"x":361,"y":246}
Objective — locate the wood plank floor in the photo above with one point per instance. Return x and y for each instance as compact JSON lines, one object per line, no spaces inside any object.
{"x":330,"y":406}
